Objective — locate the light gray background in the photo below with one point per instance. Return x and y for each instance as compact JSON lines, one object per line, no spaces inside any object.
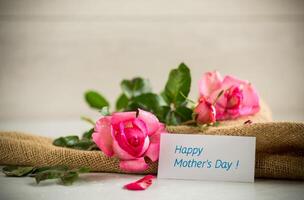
{"x":52,"y":51}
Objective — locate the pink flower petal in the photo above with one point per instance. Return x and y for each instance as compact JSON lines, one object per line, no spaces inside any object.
{"x":136,"y":165}
{"x":140,"y":124}
{"x":145,"y":146}
{"x":153,"y":152}
{"x":210,"y":82}
{"x":129,"y":152}
{"x":150,"y":120}
{"x":233,"y":81}
{"x":156,"y":137}
{"x":119,"y":117}
{"x":251,"y":104}
{"x":239,"y":98}
{"x":205,"y":112}
{"x":140,"y":184}
{"x":102,"y":135}
{"x":130,"y":141}
{"x":120,"y":153}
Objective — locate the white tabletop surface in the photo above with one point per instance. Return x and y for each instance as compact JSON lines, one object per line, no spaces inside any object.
{"x":109,"y":186}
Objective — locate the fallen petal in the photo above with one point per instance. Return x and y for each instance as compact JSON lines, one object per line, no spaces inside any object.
{"x":140,"y":184}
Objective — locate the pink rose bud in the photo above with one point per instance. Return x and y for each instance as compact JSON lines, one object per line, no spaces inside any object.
{"x":131,"y":137}
{"x":205,"y":112}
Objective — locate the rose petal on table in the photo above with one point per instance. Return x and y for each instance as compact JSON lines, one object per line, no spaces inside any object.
{"x":140,"y":184}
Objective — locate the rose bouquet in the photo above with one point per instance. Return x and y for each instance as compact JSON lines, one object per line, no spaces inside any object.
{"x":134,"y":134}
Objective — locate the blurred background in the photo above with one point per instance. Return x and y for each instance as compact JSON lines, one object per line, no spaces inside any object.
{"x":51,"y":52}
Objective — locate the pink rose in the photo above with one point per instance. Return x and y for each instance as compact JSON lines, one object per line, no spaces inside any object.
{"x":130,"y":138}
{"x":205,"y":112}
{"x":239,"y":97}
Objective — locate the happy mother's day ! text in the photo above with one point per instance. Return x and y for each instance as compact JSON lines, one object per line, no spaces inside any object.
{"x":192,"y":157}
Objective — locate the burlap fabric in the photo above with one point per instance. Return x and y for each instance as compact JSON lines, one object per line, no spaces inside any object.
{"x":279,"y":148}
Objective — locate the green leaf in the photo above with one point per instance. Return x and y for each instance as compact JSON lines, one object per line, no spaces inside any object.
{"x":172,"y":118}
{"x":47,"y":168}
{"x":66,"y":176}
{"x":71,"y":140}
{"x":165,"y":98}
{"x":67,"y":141}
{"x":48,"y":174}
{"x":135,"y":87}
{"x":149,"y":102}
{"x":95,"y":100}
{"x":69,"y":177}
{"x":162,"y":113}
{"x":184,"y":113}
{"x":179,"y":81}
{"x":85,"y":145}
{"x":122,"y":102}
{"x":61,"y":142}
{"x":88,"y":134}
{"x":83,"y":170}
{"x":44,"y":173}
{"x":17,"y":171}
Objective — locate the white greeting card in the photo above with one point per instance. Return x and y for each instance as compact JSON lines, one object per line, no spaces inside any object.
{"x":206,"y":157}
